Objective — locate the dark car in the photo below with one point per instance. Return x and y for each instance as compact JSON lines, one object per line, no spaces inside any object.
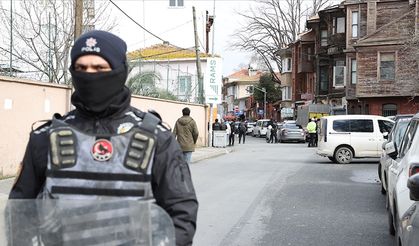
{"x":289,"y":132}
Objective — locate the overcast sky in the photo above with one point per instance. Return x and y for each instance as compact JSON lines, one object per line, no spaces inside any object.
{"x":176,"y":26}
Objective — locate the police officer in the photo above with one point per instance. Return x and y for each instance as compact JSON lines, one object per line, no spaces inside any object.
{"x":105,"y":147}
{"x":312,"y":131}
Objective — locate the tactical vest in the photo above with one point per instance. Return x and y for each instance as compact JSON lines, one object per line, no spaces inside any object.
{"x":84,"y":166}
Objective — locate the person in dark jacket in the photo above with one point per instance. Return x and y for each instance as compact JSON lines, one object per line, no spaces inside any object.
{"x":186,"y":133}
{"x":70,"y":155}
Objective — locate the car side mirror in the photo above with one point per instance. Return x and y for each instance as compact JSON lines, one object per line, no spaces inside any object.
{"x":413,"y":185}
{"x":391,"y":150}
{"x":385,"y":135}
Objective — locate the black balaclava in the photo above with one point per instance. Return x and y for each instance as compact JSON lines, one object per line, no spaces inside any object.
{"x":100,"y":94}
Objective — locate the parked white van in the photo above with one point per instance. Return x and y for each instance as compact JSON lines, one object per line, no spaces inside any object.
{"x":261,"y":127}
{"x":344,"y":137}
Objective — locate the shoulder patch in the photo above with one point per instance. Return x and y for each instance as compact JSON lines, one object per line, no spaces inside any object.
{"x":134,"y":116}
{"x":44,"y":127}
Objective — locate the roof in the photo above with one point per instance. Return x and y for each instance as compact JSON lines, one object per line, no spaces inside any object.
{"x":163,"y":52}
{"x":243,"y":75}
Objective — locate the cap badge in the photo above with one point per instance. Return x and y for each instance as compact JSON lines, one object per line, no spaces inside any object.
{"x":91,"y":46}
{"x":102,"y":150}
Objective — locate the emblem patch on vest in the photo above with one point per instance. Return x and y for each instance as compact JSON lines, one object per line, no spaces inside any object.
{"x":102,"y":150}
{"x":124,"y":127}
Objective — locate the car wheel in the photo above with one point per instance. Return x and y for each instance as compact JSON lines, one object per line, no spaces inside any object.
{"x":332,"y":159}
{"x":343,"y":155}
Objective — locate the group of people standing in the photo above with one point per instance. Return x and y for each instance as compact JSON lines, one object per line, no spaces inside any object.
{"x":232,"y":129}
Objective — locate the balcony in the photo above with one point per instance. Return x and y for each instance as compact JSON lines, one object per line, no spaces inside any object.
{"x":305,"y":66}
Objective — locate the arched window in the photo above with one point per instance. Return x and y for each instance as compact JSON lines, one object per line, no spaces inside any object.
{"x":389,"y":109}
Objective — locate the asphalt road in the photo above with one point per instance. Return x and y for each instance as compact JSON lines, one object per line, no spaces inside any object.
{"x":284,"y":194}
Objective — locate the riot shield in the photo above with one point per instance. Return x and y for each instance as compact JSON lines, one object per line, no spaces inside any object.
{"x":85,"y":222}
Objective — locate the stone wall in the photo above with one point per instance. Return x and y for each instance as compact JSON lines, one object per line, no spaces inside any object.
{"x":23,"y":102}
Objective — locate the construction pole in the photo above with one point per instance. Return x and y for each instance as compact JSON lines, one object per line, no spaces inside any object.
{"x":198,"y":61}
{"x":78,"y":18}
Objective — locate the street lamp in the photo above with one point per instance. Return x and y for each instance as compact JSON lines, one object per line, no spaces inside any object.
{"x":250,"y":90}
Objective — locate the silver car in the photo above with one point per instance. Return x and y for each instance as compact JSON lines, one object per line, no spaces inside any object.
{"x":291,"y":132}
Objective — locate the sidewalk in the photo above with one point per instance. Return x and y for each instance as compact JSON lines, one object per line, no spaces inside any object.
{"x":203,"y":153}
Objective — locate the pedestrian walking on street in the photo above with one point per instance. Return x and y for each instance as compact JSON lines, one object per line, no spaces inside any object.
{"x":232,"y":133}
{"x":84,"y":154}
{"x":242,"y":131}
{"x":273,"y":136}
{"x":186,"y":133}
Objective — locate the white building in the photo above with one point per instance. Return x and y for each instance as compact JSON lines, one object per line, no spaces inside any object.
{"x":175,"y":70}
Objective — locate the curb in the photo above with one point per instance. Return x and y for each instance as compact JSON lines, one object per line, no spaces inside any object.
{"x":211,"y":155}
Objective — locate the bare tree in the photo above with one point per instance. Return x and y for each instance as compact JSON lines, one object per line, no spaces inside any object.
{"x":43,"y":33}
{"x":271,"y":26}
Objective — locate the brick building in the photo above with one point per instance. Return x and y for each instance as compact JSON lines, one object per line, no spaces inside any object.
{"x":382,"y":72}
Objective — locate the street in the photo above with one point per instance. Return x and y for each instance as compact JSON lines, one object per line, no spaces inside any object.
{"x":284,"y":194}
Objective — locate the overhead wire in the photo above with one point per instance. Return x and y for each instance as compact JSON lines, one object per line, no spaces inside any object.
{"x":142,"y":27}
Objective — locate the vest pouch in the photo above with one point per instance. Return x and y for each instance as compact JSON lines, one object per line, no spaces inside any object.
{"x":140,"y":151}
{"x":62,"y":148}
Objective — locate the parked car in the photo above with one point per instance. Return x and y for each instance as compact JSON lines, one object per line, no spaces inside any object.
{"x":395,"y":135}
{"x":344,"y":137}
{"x":250,"y":126}
{"x":409,"y":223}
{"x":290,"y":132}
{"x":261,"y":127}
{"x":406,"y":158}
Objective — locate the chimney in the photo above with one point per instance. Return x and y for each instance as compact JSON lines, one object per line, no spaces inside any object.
{"x":371,"y":17}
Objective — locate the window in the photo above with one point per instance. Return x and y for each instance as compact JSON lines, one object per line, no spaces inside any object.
{"x":324,"y":79}
{"x":185,"y":85}
{"x":309,"y":53}
{"x":341,"y":125}
{"x":353,"y":125}
{"x":408,"y":138}
{"x":176,"y":3}
{"x":385,"y":126}
{"x":389,"y":109}
{"x":339,"y":74}
{"x":286,"y":93}
{"x":323,"y":38}
{"x":338,"y":25}
{"x":387,"y":66}
{"x":353,"y":71}
{"x":286,"y":65}
{"x":361,"y":126}
{"x":355,"y":24}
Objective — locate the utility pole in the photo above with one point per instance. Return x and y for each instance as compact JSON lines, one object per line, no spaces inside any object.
{"x":11,"y":38}
{"x":78,"y":17}
{"x":198,"y":61}
{"x":264,"y":98}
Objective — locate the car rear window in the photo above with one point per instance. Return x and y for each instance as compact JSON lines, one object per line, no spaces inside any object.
{"x":292,"y":126}
{"x":265,"y":123}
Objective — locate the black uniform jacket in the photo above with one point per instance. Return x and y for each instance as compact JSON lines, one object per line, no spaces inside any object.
{"x":171,"y":179}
